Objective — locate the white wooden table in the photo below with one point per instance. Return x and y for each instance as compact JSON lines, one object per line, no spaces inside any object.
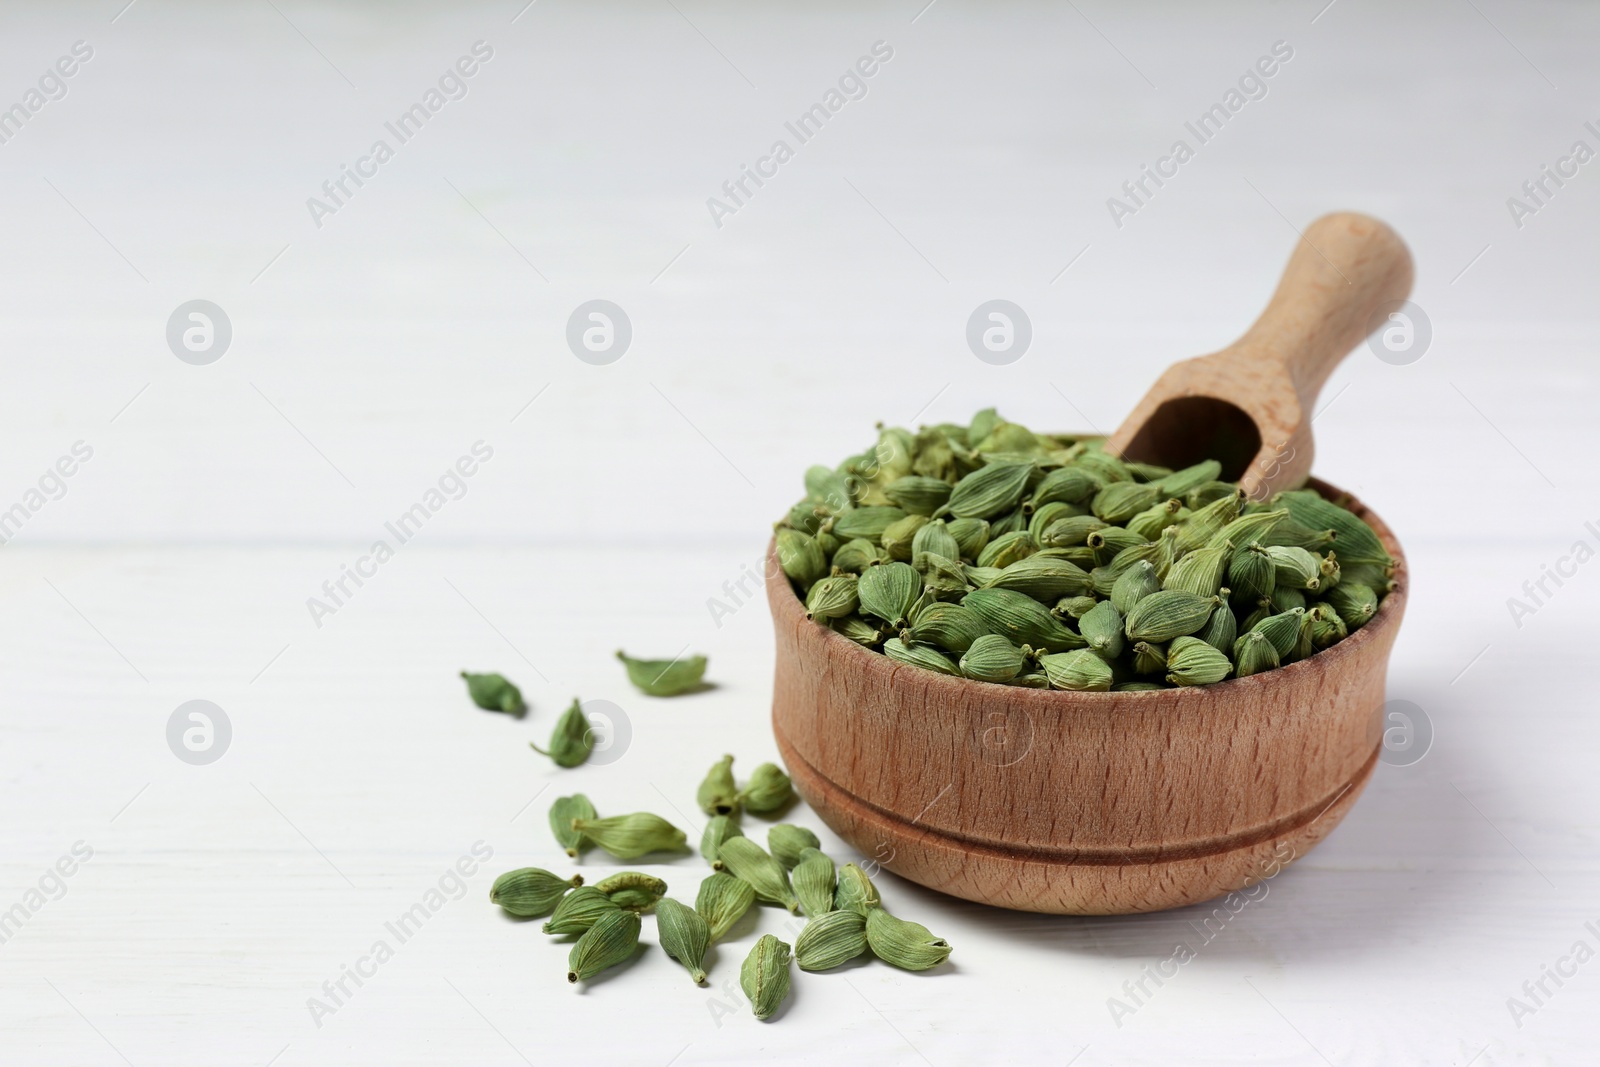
{"x":429,"y":312}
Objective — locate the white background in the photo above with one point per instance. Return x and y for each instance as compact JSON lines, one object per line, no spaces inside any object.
{"x":371,"y":352}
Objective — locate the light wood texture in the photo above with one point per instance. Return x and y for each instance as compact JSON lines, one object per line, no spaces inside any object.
{"x":1251,"y":404}
{"x":1079,"y":803}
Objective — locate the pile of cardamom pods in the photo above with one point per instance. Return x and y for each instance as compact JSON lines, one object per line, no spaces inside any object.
{"x":991,"y":552}
{"x":845,"y":915}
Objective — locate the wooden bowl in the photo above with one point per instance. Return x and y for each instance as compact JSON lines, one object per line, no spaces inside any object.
{"x":1079,"y":803}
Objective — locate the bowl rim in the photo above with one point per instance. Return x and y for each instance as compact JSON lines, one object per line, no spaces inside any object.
{"x":1390,"y":610}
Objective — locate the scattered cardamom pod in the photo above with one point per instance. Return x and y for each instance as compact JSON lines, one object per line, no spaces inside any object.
{"x":787,"y":841}
{"x":764,"y":976}
{"x":718,"y":793}
{"x":904,"y":944}
{"x":613,"y":939}
{"x":531,"y":893}
{"x":813,"y":879}
{"x":767,"y":791}
{"x":492,"y":692}
{"x":749,"y":862}
{"x":854,"y":890}
{"x":628,"y":837}
{"x":578,"y":910}
{"x":685,"y":936}
{"x":666,"y":677}
{"x":718,"y":829}
{"x":831,"y":939}
{"x":722,"y":901}
{"x":572,"y":740}
{"x":632,"y":890}
{"x":562,"y":812}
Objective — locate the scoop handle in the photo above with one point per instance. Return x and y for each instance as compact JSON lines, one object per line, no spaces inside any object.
{"x":1345,"y":268}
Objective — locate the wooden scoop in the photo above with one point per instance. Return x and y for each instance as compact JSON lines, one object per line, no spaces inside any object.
{"x":1249,"y":406}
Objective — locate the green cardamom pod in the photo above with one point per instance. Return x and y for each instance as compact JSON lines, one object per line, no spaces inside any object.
{"x":833,"y":597}
{"x":925,"y":656}
{"x":1251,"y":572}
{"x":1149,"y":657}
{"x":719,"y":793}
{"x":1286,"y":599}
{"x":1102,"y":628}
{"x":493,"y":692}
{"x":1297,"y":535}
{"x":1075,"y":607}
{"x":1190,"y":661}
{"x":1021,"y":618}
{"x":1080,"y":671}
{"x":1133,"y":585}
{"x":950,"y":626}
{"x":916,"y":495}
{"x":1356,"y":540}
{"x":718,"y":829}
{"x":612,"y":940}
{"x":764,"y":977}
{"x":868,"y":522}
{"x":572,"y":740}
{"x":1111,"y":542}
{"x":1168,"y":614}
{"x":1121,"y":501}
{"x":1036,"y":679}
{"x":943,"y":579}
{"x":632,"y":890}
{"x":1200,"y":571}
{"x":1041,"y":519}
{"x":1222,"y":629}
{"x":1071,"y":485}
{"x":1043,"y":578}
{"x":992,"y":658}
{"x":831,"y":939}
{"x":746,"y":860}
{"x":1180,"y":482}
{"x":800,"y":557}
{"x":900,"y":943}
{"x":1208,"y":521}
{"x":1248,"y":528}
{"x":1207,"y":493}
{"x":854,"y":891}
{"x":1282,"y":630}
{"x":685,"y":936}
{"x":530,"y":892}
{"x":787,"y":841}
{"x":1007,"y":548}
{"x":578,"y":910}
{"x":1149,"y":523}
{"x":860,"y":631}
{"x":814,"y":879}
{"x":1295,"y":568}
{"x":898,"y":540}
{"x":1327,"y":627}
{"x":1355,"y":603}
{"x":805,"y":517}
{"x":628,"y":837}
{"x":934,"y":539}
{"x":768,"y":789}
{"x":971,"y":536}
{"x":989,"y":491}
{"x":1070,"y":531}
{"x":856,"y":556}
{"x":1108,"y":467}
{"x":666,"y":677}
{"x":562,"y":812}
{"x":1011,"y":522}
{"x":828,"y":487}
{"x":1254,"y":653}
{"x":723,"y":901}
{"x":889,"y":591}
